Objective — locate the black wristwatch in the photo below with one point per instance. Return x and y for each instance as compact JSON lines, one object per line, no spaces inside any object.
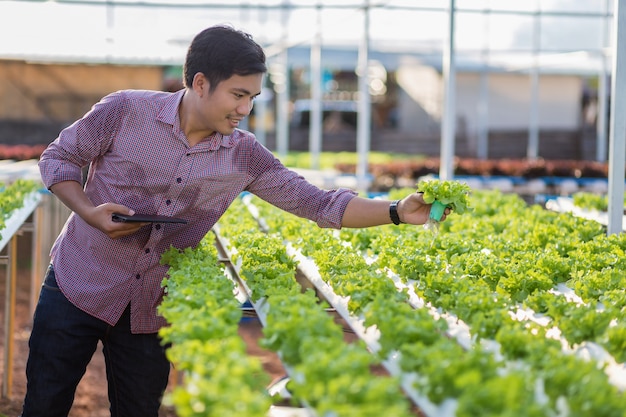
{"x":393,"y":212}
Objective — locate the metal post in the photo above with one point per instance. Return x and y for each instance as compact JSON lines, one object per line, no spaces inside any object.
{"x":601,"y":116}
{"x":9,"y":316}
{"x":315,"y":114}
{"x":617,"y":137}
{"x":533,"y":125}
{"x":603,"y":102}
{"x":482,"y":150}
{"x":282,"y":116}
{"x":448,"y":128}
{"x":364,"y":119}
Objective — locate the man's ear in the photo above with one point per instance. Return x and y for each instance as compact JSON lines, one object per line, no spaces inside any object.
{"x":200,"y":84}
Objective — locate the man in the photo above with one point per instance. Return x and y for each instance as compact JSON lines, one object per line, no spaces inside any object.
{"x":174,"y":154}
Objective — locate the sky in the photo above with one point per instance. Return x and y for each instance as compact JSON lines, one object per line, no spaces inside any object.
{"x":125,"y":31}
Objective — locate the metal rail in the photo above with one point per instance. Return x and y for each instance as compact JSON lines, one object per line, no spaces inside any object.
{"x":259,"y":309}
{"x":14,"y":225}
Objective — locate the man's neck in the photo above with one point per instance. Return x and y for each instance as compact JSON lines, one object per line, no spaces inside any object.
{"x":186,"y":111}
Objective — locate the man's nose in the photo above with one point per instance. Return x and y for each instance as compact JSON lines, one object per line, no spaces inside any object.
{"x":245,"y":108}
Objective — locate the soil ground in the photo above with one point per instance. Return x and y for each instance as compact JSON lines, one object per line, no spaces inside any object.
{"x":91,"y":396}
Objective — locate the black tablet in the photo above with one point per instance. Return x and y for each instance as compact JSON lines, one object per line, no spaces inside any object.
{"x":146,"y":218}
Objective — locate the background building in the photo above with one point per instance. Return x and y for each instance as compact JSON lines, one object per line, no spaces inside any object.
{"x":534,"y":72}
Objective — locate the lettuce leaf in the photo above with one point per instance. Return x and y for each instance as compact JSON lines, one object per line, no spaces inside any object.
{"x":453,"y":194}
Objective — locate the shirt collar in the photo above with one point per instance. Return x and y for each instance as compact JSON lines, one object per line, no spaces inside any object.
{"x":169,"y":111}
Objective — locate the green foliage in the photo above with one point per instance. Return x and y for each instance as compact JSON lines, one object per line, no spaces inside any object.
{"x":220,"y":379}
{"x":616,"y":341}
{"x":453,"y":194}
{"x":329,"y":160}
{"x":591,"y":201}
{"x":332,"y":377}
{"x":12,"y":197}
{"x":500,"y":258}
{"x":491,"y":316}
{"x":510,"y":395}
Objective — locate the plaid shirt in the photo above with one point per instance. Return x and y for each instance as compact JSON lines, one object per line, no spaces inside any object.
{"x":139,"y":157}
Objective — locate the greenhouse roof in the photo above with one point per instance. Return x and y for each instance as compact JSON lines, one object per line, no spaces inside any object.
{"x":568,"y":35}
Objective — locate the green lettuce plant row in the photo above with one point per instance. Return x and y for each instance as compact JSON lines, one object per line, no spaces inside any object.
{"x":519,"y":258}
{"x":411,"y":334}
{"x":513,"y":392}
{"x":592,"y":201}
{"x":522,"y":253}
{"x":559,"y":252}
{"x":443,"y":288}
{"x":12,"y":197}
{"x":330,"y":376}
{"x":219,"y":378}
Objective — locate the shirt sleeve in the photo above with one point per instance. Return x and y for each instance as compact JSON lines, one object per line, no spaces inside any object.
{"x":289,"y":191}
{"x":82,"y":142}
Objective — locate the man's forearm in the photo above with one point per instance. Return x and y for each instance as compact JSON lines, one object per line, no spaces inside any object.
{"x":363,"y":212}
{"x":71,"y":194}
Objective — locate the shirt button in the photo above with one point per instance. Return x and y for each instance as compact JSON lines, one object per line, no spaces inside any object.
{"x":147,"y":250}
{"x":179,"y":180}
{"x":137,"y":276}
{"x":168,"y":202}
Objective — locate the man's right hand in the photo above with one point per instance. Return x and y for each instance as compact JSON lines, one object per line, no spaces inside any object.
{"x":102,"y":218}
{"x":71,"y":193}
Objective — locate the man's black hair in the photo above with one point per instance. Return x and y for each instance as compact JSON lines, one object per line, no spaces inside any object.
{"x":219,"y":52}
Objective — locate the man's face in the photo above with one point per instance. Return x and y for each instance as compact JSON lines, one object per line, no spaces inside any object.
{"x":231,"y":101}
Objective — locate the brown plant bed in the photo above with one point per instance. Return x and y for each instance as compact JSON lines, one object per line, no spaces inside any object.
{"x":393,"y":173}
{"x":21,"y":152}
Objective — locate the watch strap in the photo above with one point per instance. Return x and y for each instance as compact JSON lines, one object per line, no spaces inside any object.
{"x":393,"y":212}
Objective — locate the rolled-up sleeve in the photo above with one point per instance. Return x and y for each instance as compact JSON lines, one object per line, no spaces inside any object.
{"x":289,"y":191}
{"x":80,"y":143}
